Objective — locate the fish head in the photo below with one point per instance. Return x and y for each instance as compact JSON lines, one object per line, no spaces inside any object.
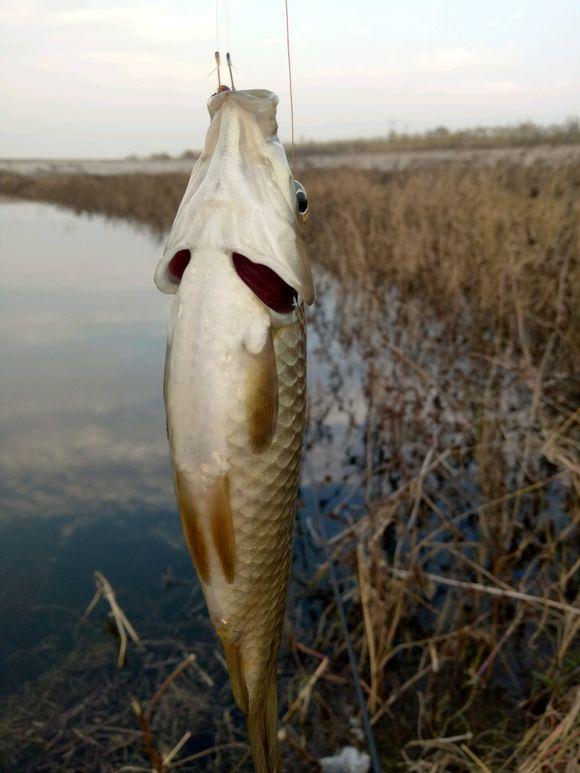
{"x":242,"y":201}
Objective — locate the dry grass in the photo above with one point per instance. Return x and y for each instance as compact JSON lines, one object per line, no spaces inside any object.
{"x":525,"y":134}
{"x":148,"y":199}
{"x":496,"y":241}
{"x":459,"y":300}
{"x":87,"y":715}
{"x":461,"y":287}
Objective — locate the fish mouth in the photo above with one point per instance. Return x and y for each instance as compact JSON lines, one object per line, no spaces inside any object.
{"x":265,"y":283}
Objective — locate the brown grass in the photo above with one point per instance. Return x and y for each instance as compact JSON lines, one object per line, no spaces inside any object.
{"x":494,"y":241}
{"x":148,"y":199}
{"x":459,"y":293}
{"x":461,"y":285}
{"x":525,"y":134}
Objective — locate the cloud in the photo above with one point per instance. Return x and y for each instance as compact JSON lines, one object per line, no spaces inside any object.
{"x":453,"y":60}
{"x":68,"y":470}
{"x":481,"y":86}
{"x":155,"y":22}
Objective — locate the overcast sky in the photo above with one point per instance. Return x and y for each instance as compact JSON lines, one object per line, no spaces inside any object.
{"x":109,"y":78}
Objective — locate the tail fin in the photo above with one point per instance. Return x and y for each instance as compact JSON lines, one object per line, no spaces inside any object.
{"x":263,"y":730}
{"x":261,"y":710}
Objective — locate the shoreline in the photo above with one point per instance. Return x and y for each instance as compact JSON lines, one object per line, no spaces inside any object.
{"x":382,"y":160}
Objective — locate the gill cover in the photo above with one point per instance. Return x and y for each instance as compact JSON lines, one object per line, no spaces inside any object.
{"x":241,"y":197}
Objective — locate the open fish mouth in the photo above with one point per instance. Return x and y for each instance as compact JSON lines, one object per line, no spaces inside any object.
{"x":265,"y":283}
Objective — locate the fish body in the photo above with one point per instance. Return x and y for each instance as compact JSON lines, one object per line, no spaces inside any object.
{"x":235,"y":388}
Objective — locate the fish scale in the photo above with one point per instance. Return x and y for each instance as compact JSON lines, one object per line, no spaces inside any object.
{"x":263,"y":498}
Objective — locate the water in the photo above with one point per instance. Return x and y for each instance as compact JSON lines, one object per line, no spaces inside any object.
{"x":84,"y":471}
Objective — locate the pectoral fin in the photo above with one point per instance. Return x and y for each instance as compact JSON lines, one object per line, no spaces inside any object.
{"x":262,"y":395}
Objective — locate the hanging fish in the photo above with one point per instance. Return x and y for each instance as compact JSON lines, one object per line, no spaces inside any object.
{"x":235,"y":387}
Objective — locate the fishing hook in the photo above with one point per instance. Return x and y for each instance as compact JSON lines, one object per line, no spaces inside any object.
{"x":230,"y":68}
{"x":218,"y":62}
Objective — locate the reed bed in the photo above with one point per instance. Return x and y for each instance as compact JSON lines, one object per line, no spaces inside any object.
{"x":461,"y":287}
{"x":456,"y":309}
{"x":526,"y":134}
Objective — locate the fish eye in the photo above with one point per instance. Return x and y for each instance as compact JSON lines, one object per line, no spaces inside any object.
{"x":301,"y":198}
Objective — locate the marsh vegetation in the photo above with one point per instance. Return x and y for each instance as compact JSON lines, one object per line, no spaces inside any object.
{"x":526,"y":134}
{"x":442,"y":453}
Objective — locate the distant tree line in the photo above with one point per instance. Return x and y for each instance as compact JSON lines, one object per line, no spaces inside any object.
{"x":524,"y":134}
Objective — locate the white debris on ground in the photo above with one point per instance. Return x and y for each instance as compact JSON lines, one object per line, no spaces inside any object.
{"x":350,"y":760}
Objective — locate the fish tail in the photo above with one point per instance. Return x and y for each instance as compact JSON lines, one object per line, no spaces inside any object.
{"x":263,"y":730}
{"x":261,"y":710}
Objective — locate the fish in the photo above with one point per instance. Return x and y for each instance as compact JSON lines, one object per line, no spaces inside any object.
{"x":235,"y":388}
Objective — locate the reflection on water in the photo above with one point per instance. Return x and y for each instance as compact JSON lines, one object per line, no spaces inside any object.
{"x":82,"y":435}
{"x":82,"y":331}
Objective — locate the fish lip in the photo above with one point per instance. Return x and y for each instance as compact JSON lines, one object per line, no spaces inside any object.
{"x":252,"y":100}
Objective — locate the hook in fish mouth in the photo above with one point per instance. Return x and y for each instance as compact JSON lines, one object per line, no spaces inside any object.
{"x":271,"y":289}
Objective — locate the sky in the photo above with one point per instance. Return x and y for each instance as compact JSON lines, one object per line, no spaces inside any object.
{"x":110,"y":78}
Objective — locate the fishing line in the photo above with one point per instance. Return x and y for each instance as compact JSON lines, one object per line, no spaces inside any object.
{"x":290,"y":85}
{"x":366,"y":722}
{"x":218,"y":63}
{"x":229,"y":48}
{"x":231,"y":69}
{"x":217,"y":24}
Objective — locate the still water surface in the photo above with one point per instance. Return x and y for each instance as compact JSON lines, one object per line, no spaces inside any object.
{"x":84,"y":473}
